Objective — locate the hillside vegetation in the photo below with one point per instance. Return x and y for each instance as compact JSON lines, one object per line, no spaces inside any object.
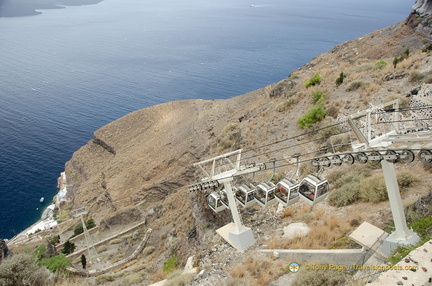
{"x":137,"y":168}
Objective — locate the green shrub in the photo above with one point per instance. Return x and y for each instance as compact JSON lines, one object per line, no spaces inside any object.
{"x":421,"y":225}
{"x":315,"y":80}
{"x":427,"y":49}
{"x":315,"y":114}
{"x":340,"y":79}
{"x":68,"y":247}
{"x":318,"y":96}
{"x":79,"y":228}
{"x":400,"y":252}
{"x":22,"y":269}
{"x":355,"y":85}
{"x":56,"y":264}
{"x":396,"y":60}
{"x":171,"y":264}
{"x":380,"y":65}
{"x":39,"y":251}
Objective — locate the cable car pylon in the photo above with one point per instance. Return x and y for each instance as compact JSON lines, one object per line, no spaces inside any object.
{"x":236,"y":234}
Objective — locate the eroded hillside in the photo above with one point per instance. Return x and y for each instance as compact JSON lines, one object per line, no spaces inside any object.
{"x":138,"y":167}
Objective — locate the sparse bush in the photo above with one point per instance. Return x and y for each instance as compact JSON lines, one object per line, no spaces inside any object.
{"x":327,"y":129}
{"x":56,"y":264}
{"x":355,"y":85}
{"x":315,"y":114}
{"x":149,"y":250}
{"x":39,"y":251}
{"x":115,"y":241}
{"x":22,"y":270}
{"x":318,"y":96}
{"x":102,"y":248}
{"x":345,"y":243}
{"x":104,"y":279}
{"x":171,"y":264}
{"x":312,"y":277}
{"x":285,"y":105}
{"x":380,"y":65}
{"x":373,"y":189}
{"x":416,"y":76}
{"x":333,"y":111}
{"x":178,"y":278}
{"x":133,"y":278}
{"x":229,"y":128}
{"x":403,"y":101}
{"x":345,"y":195}
{"x":406,"y":179}
{"x":364,"y":67}
{"x":315,"y":80}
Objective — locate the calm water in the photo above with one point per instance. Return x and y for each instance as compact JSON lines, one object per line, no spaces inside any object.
{"x":68,"y":72}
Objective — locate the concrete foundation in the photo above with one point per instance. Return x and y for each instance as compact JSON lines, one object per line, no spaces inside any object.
{"x":240,"y":240}
{"x":392,"y":242}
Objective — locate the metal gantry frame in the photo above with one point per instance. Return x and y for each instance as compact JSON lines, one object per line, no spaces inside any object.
{"x":236,"y":234}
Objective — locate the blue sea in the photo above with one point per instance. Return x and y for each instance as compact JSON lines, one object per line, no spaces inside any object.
{"x":67,"y":72}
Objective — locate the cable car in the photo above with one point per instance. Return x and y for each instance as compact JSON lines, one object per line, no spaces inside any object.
{"x":245,"y":195}
{"x":215,"y":203}
{"x":313,"y":189}
{"x":286,"y":192}
{"x":224,"y":197}
{"x":265,"y":194}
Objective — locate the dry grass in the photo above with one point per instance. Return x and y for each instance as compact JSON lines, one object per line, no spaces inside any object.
{"x":258,"y":270}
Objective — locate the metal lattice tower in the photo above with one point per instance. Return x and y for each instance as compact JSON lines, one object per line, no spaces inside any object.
{"x":81,"y":212}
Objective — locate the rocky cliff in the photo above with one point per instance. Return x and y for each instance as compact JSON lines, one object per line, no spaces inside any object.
{"x":141,"y":164}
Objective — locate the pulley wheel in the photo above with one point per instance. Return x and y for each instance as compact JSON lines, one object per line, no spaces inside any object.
{"x":348,"y":159}
{"x":407,"y":156}
{"x":377,"y":156}
{"x":392,"y":153}
{"x":361,"y":157}
{"x":336,"y":160}
{"x":425,"y":156}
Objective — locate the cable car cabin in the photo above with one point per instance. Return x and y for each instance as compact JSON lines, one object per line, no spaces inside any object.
{"x":215,"y":203}
{"x":224,"y":197}
{"x":245,"y":195}
{"x":265,"y":194}
{"x":313,"y":189}
{"x":286,"y":192}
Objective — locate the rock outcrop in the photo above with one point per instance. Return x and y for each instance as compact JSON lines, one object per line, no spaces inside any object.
{"x":421,"y":17}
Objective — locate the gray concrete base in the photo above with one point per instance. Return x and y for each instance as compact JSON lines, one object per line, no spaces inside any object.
{"x":240,"y":240}
{"x":391,"y":242}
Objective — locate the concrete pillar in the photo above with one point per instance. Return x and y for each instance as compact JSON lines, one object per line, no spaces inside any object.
{"x":402,"y":235}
